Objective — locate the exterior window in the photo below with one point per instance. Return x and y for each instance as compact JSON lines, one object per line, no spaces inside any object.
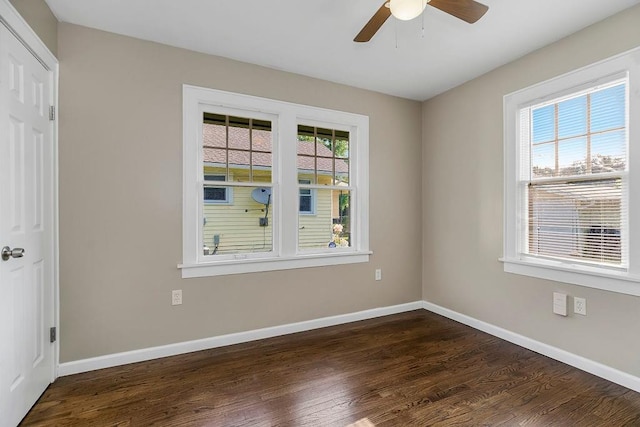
{"x":216,"y":194}
{"x":306,"y":198}
{"x":323,"y":168}
{"x":270,"y":185}
{"x":571,"y":151}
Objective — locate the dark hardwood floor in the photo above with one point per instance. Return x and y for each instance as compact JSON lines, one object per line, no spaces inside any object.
{"x":410,"y":369}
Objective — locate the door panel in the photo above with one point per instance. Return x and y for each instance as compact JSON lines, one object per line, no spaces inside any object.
{"x":26,"y":221}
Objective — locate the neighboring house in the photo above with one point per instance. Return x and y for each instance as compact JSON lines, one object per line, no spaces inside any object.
{"x":235,"y":154}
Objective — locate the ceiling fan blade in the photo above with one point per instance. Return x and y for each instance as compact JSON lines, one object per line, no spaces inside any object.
{"x":374,"y":24}
{"x":467,"y":10}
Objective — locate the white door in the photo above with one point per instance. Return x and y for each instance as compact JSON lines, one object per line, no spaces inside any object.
{"x":26,"y":222}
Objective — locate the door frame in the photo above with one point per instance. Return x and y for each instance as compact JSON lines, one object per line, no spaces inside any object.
{"x":15,"y":23}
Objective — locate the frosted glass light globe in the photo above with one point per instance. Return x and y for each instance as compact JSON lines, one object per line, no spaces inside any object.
{"x":407,"y":9}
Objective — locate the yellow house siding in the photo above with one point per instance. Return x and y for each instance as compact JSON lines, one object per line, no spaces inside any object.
{"x":314,"y":230}
{"x":239,"y":231}
{"x":237,"y":223}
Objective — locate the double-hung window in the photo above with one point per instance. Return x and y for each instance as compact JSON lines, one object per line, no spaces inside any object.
{"x":270,"y":185}
{"x":572,"y":182}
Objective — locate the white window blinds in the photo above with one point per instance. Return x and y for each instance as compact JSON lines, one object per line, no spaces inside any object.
{"x":574,"y":166}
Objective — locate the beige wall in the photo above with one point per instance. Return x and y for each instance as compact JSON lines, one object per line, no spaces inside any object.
{"x":39,"y":17}
{"x":462,"y":204}
{"x":121,"y":201}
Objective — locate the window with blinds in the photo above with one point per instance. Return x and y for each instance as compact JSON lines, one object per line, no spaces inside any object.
{"x":574,"y":166}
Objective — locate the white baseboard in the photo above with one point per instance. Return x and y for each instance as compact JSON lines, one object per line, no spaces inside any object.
{"x":117,"y":359}
{"x":582,"y":363}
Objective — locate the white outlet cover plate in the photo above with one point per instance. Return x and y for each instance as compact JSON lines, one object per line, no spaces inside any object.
{"x":580,"y":306}
{"x":560,"y":303}
{"x":176,"y":297}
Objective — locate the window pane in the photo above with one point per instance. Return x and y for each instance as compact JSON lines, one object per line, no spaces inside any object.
{"x":261,"y":138}
{"x":543,"y":159}
{"x":236,"y":228}
{"x":608,"y":151}
{"x":214,"y":135}
{"x":239,"y":132}
{"x":324,"y":170}
{"x":260,"y":176}
{"x":239,"y":164}
{"x":323,"y":148}
{"x":341,"y":147}
{"x":214,"y":157}
{"x":572,"y":117}
{"x":306,"y":145}
{"x":325,"y":137}
{"x":306,"y":168}
{"x":261,"y":161}
{"x":306,"y":162}
{"x":543,"y":124}
{"x":608,"y":108}
{"x":572,"y":157}
{"x":342,"y":172}
{"x":329,"y":227}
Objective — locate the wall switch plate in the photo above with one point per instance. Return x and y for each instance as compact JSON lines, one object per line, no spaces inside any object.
{"x":580,"y":306}
{"x":176,"y":297}
{"x":378,"y":274}
{"x":560,"y":303}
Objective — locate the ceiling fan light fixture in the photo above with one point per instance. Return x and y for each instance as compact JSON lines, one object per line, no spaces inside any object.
{"x":406,"y":10}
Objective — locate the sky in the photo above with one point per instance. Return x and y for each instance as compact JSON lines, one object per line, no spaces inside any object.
{"x":607,"y":115}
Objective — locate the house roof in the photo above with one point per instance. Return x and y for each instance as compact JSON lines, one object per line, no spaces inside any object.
{"x":214,"y":150}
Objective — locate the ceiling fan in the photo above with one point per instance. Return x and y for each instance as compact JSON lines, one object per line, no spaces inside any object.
{"x":467,"y":10}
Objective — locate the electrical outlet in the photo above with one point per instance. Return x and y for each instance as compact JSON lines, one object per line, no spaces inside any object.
{"x":378,"y":274}
{"x":176,"y":297}
{"x":580,"y":306}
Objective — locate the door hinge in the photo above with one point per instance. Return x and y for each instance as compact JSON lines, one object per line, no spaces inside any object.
{"x":52,"y":113}
{"x":52,"y":334}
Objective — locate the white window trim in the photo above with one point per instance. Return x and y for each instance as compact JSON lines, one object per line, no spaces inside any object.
{"x":229,"y":192}
{"x":626,"y":281}
{"x":285,"y":118}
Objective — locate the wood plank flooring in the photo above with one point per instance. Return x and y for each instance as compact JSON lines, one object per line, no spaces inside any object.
{"x":409,"y":369}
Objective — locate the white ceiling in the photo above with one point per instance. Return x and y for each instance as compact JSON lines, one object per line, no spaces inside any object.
{"x":314,"y":37}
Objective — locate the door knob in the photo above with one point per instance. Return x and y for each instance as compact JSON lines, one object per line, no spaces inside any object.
{"x":7,"y":253}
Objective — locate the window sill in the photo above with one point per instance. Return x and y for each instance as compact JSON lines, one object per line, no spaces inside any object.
{"x":598,"y":278}
{"x":221,"y":268}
